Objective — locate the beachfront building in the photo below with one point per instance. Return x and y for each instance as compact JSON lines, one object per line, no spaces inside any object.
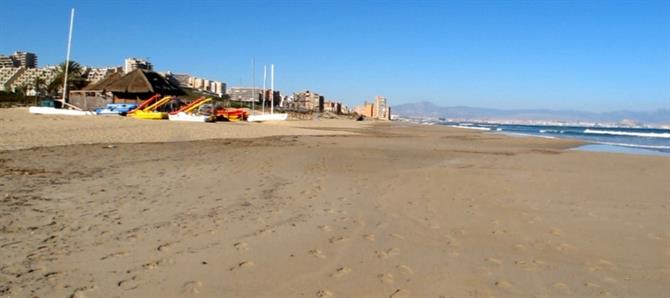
{"x":245,"y":94}
{"x":19,"y":59}
{"x":27,"y":77}
{"x":306,"y":101}
{"x":133,"y":87}
{"x":365,"y":110}
{"x":93,"y":74}
{"x":201,"y":84}
{"x":379,"y":109}
{"x":7,"y":77}
{"x":6,"y":61}
{"x":332,"y":106}
{"x":24,"y":59}
{"x":131,"y":64}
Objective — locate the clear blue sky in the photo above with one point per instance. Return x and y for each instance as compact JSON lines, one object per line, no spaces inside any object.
{"x":585,"y":55}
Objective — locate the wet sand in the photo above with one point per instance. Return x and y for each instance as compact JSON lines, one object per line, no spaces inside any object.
{"x":383,"y":209}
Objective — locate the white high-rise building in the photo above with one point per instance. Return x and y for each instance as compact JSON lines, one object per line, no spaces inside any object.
{"x":135,"y":63}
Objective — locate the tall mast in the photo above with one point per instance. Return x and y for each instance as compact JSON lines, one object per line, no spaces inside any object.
{"x":67,"y":58}
{"x":253,"y":79}
{"x":272,"y":88}
{"x":265,"y":75}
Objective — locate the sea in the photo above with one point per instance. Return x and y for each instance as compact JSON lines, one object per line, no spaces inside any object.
{"x":651,"y":141}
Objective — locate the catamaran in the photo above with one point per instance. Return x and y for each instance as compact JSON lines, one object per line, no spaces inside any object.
{"x":188,"y":112}
{"x":272,"y":116}
{"x":65,"y":108}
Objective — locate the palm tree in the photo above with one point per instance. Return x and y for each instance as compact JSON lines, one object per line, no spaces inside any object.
{"x":75,"y":80}
{"x":39,"y":85}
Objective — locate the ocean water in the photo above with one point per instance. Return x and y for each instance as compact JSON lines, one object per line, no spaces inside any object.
{"x":653,"y":139}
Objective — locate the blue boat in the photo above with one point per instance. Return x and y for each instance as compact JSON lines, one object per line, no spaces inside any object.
{"x":116,"y":109}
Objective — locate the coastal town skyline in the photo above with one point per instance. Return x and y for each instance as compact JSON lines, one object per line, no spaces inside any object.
{"x":577,"y":57}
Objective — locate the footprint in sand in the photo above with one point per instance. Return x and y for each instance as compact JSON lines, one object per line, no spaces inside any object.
{"x":163,"y":247}
{"x":337,"y":239}
{"x":397,"y":236}
{"x":324,"y":293}
{"x":242,"y":265}
{"x":399,"y":293}
{"x":241,"y":246}
{"x":192,"y":287}
{"x":79,"y":292}
{"x":385,"y":254}
{"x":116,"y":254}
{"x":342,"y":271}
{"x":128,"y":284}
{"x":405,"y":269}
{"x":317,"y":253}
{"x":493,"y":261}
{"x":386,"y":278}
{"x":561,"y":288}
{"x":503,"y":284}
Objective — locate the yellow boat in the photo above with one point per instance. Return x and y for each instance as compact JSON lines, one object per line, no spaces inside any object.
{"x":149,"y":115}
{"x":150,"y":112}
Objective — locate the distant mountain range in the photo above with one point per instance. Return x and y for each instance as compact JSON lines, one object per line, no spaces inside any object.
{"x":428,"y":109}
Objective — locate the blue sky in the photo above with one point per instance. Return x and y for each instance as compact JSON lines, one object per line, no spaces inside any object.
{"x":585,"y":55}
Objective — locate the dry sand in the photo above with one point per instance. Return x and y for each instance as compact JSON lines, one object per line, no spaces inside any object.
{"x":392,"y":210}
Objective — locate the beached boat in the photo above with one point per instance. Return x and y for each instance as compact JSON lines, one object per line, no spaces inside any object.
{"x":186,"y":113}
{"x":150,"y":113}
{"x":181,"y":116}
{"x":55,"y":111}
{"x":64,"y":108}
{"x":272,"y":116}
{"x":115,"y":109}
{"x":231,"y":114}
{"x":267,"y":117}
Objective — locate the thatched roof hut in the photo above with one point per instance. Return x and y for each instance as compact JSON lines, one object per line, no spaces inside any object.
{"x":142,"y":81}
{"x":102,"y":84}
{"x":137,"y":84}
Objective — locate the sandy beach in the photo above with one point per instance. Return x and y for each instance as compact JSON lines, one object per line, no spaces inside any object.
{"x":115,"y":207}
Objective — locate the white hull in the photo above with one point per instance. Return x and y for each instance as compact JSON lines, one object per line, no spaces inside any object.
{"x":54,"y":111}
{"x":189,"y":118}
{"x":267,"y":117}
{"x":108,"y":113}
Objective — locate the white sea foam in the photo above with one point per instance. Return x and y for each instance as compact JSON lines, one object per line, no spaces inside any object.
{"x":656,"y":147}
{"x":470,"y":127}
{"x":627,"y":133}
{"x":517,"y":134}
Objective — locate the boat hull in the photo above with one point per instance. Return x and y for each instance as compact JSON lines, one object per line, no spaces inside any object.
{"x":54,"y":111}
{"x":190,"y":118}
{"x":149,"y":115}
{"x":267,"y":117}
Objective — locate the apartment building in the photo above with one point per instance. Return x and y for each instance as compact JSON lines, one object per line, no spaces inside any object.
{"x":379,"y":109}
{"x":24,"y":59}
{"x":247,"y":94}
{"x":93,"y":75}
{"x":19,"y":59}
{"x":307,"y":101}
{"x":27,"y":77}
{"x":131,"y":64}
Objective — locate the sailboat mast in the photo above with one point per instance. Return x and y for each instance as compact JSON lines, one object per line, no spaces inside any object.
{"x":67,"y":58}
{"x":253,"y":84}
{"x":272,"y":88}
{"x":265,"y":74}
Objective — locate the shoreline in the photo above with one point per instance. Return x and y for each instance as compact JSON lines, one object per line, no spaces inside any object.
{"x":598,"y":146}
